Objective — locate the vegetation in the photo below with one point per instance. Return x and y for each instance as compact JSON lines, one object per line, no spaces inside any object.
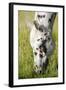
{"x":25,"y":54}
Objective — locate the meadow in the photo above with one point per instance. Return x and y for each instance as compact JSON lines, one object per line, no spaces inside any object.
{"x":25,"y":54}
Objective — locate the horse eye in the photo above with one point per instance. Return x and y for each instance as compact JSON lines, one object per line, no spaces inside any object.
{"x":38,"y":16}
{"x":43,"y":16}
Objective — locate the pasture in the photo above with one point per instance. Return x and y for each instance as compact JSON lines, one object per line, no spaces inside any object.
{"x":25,"y":54}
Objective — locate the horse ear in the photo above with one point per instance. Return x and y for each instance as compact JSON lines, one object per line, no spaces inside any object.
{"x":53,"y":17}
{"x":51,"y":21}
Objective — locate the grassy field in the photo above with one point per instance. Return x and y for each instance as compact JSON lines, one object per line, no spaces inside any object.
{"x":25,"y":55}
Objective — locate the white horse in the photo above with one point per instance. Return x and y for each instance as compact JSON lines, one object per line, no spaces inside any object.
{"x":41,"y":38}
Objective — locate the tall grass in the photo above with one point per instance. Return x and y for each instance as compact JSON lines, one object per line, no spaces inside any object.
{"x":25,"y":54}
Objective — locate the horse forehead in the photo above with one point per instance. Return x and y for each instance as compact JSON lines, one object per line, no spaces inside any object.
{"x":44,"y":13}
{"x":41,"y":13}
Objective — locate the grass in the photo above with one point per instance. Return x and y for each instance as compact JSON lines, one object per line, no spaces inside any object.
{"x":25,"y":54}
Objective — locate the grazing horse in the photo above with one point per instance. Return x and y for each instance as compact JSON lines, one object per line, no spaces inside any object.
{"x":41,"y":38}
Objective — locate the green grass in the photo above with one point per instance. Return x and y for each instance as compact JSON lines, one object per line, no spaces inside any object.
{"x":25,"y":55}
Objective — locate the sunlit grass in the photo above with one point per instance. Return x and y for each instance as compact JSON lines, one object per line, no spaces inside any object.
{"x":25,"y":55}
